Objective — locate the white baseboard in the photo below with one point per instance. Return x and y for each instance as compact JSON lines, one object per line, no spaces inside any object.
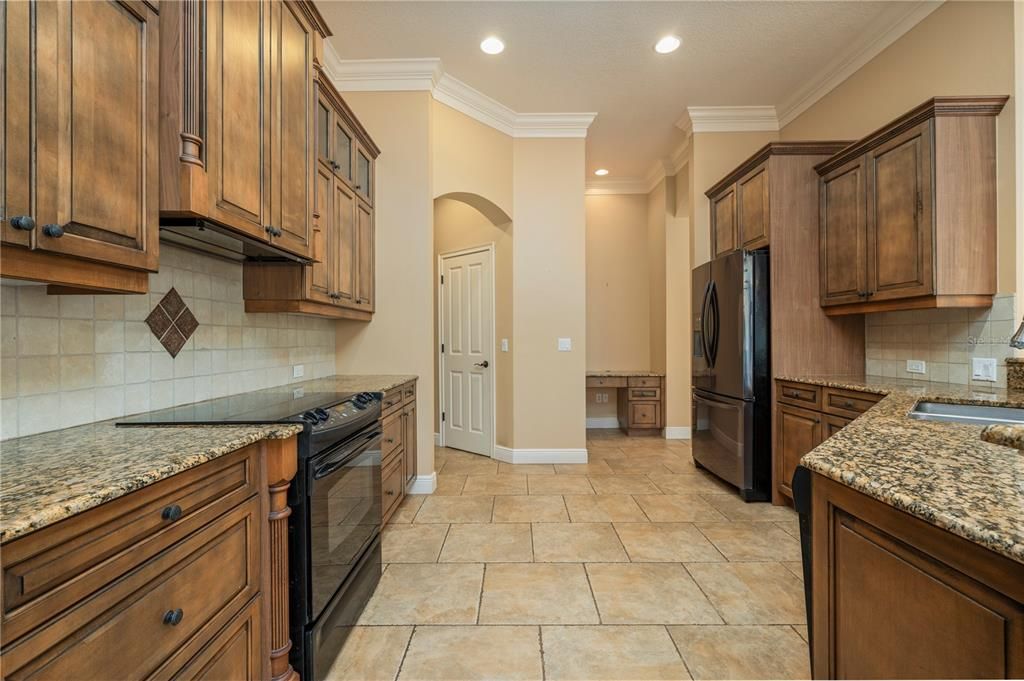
{"x":603,"y":422}
{"x":509,"y":455}
{"x":677,"y":433}
{"x":437,"y":439}
{"x":423,"y":484}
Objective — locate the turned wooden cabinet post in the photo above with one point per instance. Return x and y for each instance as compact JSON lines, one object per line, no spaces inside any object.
{"x":409,"y":439}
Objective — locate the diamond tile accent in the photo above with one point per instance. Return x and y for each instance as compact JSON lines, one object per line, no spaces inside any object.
{"x":172,"y":322}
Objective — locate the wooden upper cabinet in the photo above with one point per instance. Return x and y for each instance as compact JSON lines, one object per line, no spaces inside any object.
{"x":80,"y":121}
{"x":723,"y":222}
{"x":752,"y":208}
{"x":365,"y":255}
{"x":343,"y":281}
{"x":914,"y":207}
{"x":324,"y":240}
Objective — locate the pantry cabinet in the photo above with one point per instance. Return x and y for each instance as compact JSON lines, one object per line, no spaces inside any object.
{"x":907,"y":215}
{"x":79,"y":182}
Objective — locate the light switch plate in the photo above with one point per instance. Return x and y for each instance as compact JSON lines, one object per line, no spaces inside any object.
{"x":504,"y":344}
{"x":915,"y":366}
{"x":564,"y":344}
{"x":983,"y":369}
{"x":298,"y":371}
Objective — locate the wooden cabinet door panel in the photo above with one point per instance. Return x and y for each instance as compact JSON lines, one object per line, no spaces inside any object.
{"x":17,"y":191}
{"x":292,"y":138}
{"x":832,"y":425}
{"x":342,"y":150}
{"x":364,"y":173}
{"x":365,"y":256}
{"x":234,"y":654}
{"x":323,"y":245}
{"x":409,"y":440}
{"x":99,"y":152}
{"x":644,"y":414}
{"x":723,"y":222}
{"x":798,"y":432}
{"x":238,"y":110}
{"x":752,"y":208}
{"x":842,"y":235}
{"x":344,"y":252}
{"x":900,"y":242}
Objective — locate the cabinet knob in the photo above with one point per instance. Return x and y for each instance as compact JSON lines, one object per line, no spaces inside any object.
{"x":173,"y":617}
{"x":23,"y":222}
{"x":53,"y":231}
{"x":171,"y":513}
{"x":390,"y":440}
{"x":390,"y":492}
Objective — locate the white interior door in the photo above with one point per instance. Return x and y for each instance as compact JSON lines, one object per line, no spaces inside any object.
{"x":467,"y":358}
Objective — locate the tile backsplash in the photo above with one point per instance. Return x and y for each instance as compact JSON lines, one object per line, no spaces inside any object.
{"x":74,"y":359}
{"x":946,"y":340}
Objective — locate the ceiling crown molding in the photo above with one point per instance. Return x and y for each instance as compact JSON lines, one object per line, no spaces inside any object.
{"x":605,"y":187}
{"x":728,"y":119}
{"x":660,"y":169}
{"x":428,"y":75}
{"x":887,"y":28}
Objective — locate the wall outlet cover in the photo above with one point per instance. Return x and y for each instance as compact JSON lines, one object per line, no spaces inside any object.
{"x":983,"y":369}
{"x":298,"y":371}
{"x":504,"y":344}
{"x":915,"y":366}
{"x":564,"y":344}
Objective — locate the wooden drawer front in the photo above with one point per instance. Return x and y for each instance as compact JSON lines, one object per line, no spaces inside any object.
{"x":848,"y":402}
{"x":392,"y":399}
{"x":408,"y":393}
{"x":644,"y":414}
{"x":392,"y":434}
{"x":799,"y":394}
{"x":393,"y":487}
{"x":47,"y":571}
{"x":122,"y":632}
{"x":832,"y":425}
{"x":645,"y":394}
{"x":606,"y":382}
{"x":234,"y":653}
{"x":644,"y":381}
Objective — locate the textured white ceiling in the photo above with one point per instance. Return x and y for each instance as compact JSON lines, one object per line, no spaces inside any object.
{"x":598,"y":56}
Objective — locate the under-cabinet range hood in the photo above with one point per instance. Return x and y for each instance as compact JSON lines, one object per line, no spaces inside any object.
{"x":208,"y":237}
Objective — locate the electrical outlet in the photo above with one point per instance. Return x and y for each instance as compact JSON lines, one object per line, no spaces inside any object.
{"x":504,"y":344}
{"x":565,"y":344}
{"x":298,"y":392}
{"x":602,"y":398}
{"x":915,"y":366}
{"x":298,"y":371}
{"x":983,"y":369}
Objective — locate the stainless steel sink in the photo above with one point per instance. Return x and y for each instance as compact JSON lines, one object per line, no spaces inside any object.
{"x":978,"y":415}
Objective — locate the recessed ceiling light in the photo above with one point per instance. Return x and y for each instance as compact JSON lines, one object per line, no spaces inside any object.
{"x":601,"y":171}
{"x":492,"y":45}
{"x":669,"y":43}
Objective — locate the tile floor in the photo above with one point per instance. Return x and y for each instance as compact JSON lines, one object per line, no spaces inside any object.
{"x":634,"y":566}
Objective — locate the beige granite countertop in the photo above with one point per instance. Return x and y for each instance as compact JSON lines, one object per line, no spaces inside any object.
{"x":942,"y":473}
{"x":48,"y":477}
{"x":623,"y":374}
{"x":363,"y":383}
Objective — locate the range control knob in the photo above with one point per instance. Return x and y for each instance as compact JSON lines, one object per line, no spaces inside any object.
{"x":321,"y":413}
{"x":310,"y":417}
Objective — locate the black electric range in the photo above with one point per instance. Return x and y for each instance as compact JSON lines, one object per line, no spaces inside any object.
{"x":335,"y":499}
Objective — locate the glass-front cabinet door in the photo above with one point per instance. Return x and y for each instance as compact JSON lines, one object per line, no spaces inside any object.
{"x":364,"y":174}
{"x":342,"y":151}
{"x":323,"y":132}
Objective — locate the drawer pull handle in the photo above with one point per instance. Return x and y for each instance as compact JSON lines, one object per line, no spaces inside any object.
{"x":793,"y":394}
{"x":173,"y":617}
{"x":171,"y":513}
{"x":848,"y":404}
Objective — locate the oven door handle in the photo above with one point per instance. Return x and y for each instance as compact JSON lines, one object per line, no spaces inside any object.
{"x":333,"y":463}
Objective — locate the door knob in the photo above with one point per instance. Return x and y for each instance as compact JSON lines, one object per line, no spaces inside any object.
{"x":24,"y":222}
{"x":483,"y":364}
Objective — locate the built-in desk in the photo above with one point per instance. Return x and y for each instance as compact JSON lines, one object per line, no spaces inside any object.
{"x":641,"y":398}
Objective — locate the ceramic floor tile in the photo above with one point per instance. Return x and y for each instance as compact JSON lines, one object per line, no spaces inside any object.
{"x":499,"y":542}
{"x":666,"y":543}
{"x":537,"y":593}
{"x":740,"y":541}
{"x":593,"y":468}
{"x":649,"y":593}
{"x":684,"y":465}
{"x":559,"y":484}
{"x":535,"y":508}
{"x":603,"y":508}
{"x":600,"y":452}
{"x":577,"y":543}
{"x":638,"y":464}
{"x":473,"y":653}
{"x":408,"y":509}
{"x":425,"y":594}
{"x":677,"y":508}
{"x":484,"y":466}
{"x":692,"y":483}
{"x":752,"y":593}
{"x":494,"y":484}
{"x":419,"y":543}
{"x":735,"y":508}
{"x":455,"y":510}
{"x":791,"y":526}
{"x":742,"y":652}
{"x":796,"y":567}
{"x":801,"y":629}
{"x":610,"y":652}
{"x":370,"y":653}
{"x":449,"y":485}
{"x":623,"y":484}
{"x":526,"y":468}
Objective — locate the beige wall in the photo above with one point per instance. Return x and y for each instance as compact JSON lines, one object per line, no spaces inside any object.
{"x":458,"y":226}
{"x":678,"y":322}
{"x":400,"y":124}
{"x":549,"y":269}
{"x":657,"y":214}
{"x":618,"y":312}
{"x":962,"y":48}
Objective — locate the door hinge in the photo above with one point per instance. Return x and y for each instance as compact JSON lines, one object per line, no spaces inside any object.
{"x":442,"y":348}
{"x":442,"y":280}
{"x":442,"y":417}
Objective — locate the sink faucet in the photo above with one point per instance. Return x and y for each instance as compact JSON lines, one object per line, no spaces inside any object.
{"x":1017,"y":339}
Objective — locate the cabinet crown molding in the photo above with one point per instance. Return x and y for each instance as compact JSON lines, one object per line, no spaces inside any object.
{"x":936,"y":107}
{"x":810,"y":148}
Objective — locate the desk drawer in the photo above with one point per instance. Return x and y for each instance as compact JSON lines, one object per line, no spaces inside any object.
{"x":47,"y":571}
{"x":606,"y":382}
{"x":645,"y":381}
{"x":129,"y":629}
{"x":644,"y":394}
{"x":848,"y":403}
{"x":391,"y":400}
{"x":799,"y":394}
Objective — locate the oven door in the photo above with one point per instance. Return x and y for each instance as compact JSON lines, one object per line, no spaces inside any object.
{"x":345,"y":512}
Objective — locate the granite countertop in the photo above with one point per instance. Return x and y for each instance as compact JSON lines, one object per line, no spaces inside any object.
{"x":942,"y":473}
{"x":48,"y":477}
{"x":623,"y":374}
{"x":367,"y":383}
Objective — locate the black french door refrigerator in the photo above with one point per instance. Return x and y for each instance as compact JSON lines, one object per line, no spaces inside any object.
{"x":731,"y":426}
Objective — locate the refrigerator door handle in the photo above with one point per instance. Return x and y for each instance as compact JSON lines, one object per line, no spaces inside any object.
{"x":703,"y":325}
{"x":713,"y":316}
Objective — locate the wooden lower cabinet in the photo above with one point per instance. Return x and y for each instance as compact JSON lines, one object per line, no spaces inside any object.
{"x":895,"y":597}
{"x":799,"y":431}
{"x":398,"y":452}
{"x":640,"y":403}
{"x":175,"y":580}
